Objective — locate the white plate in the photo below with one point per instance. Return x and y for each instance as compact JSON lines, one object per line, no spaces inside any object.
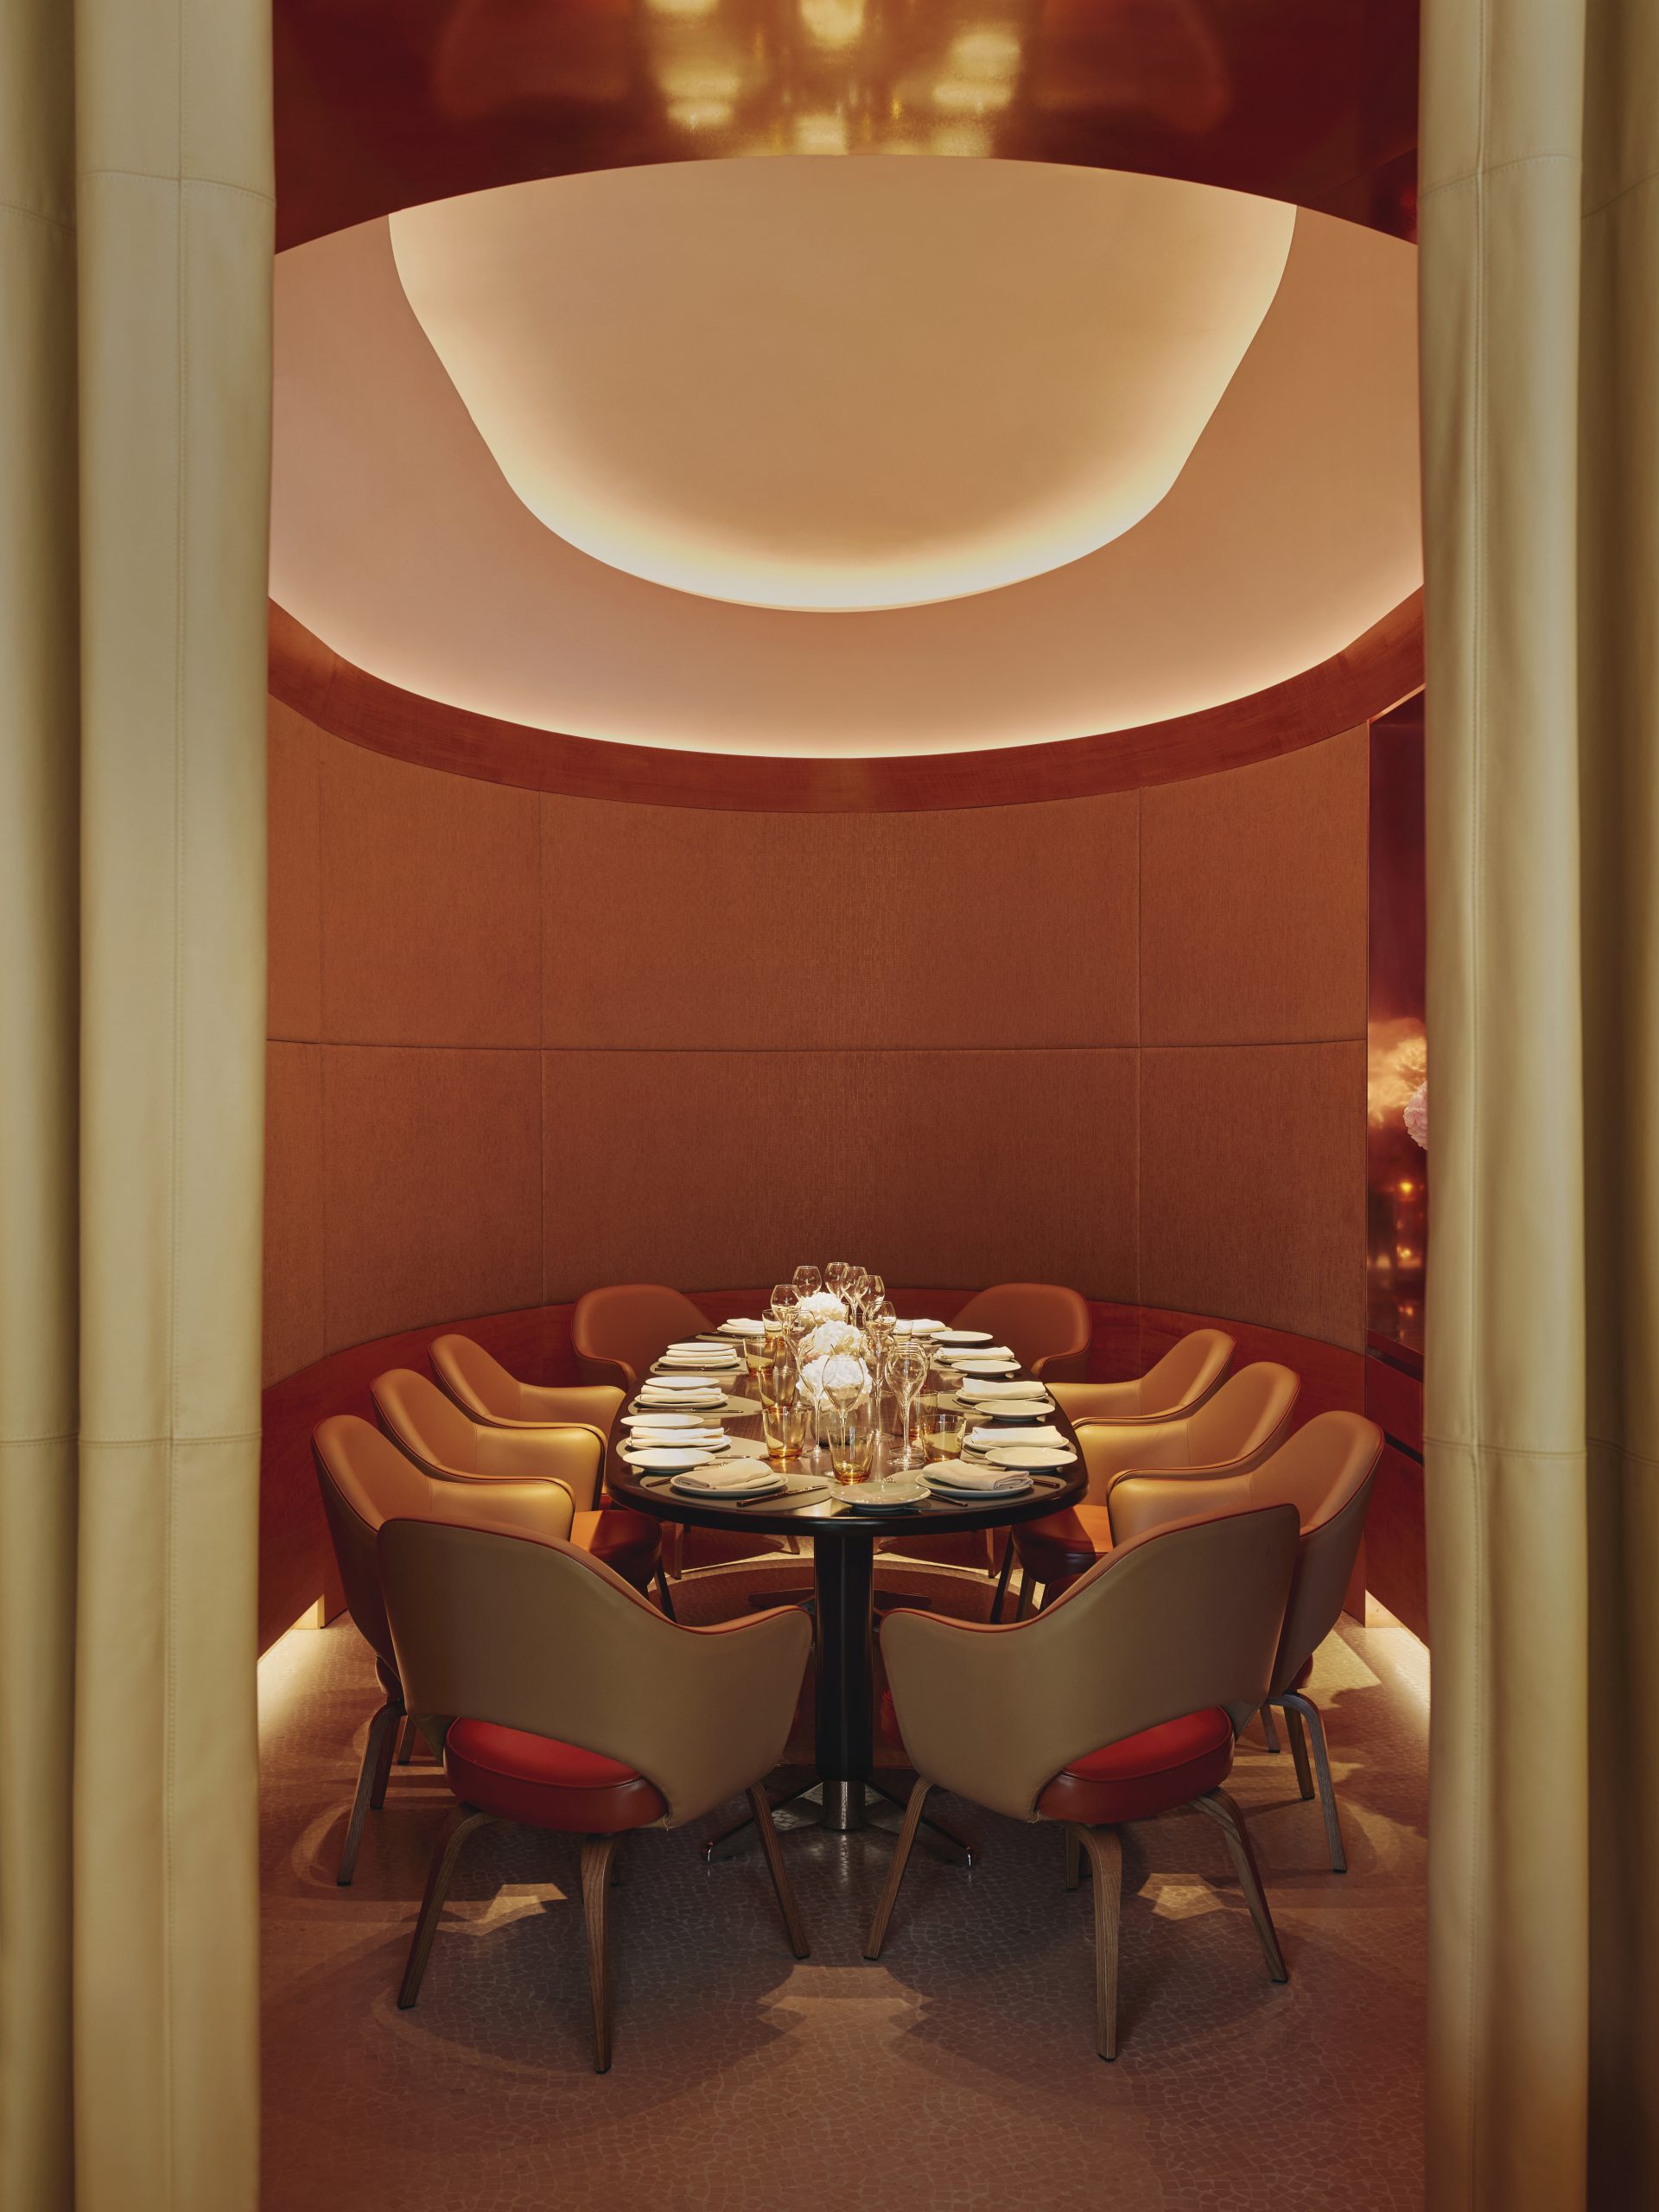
{"x":661,"y":1458}
{"x":670,"y":1417}
{"x":708,"y":1401}
{"x":1023,"y":1457}
{"x":884,"y":1497}
{"x":1036,"y":1434}
{"x":1022,"y":1413}
{"x":966,"y":1336}
{"x":987,"y":1367}
{"x":742,"y":1328}
{"x":674,"y":1439}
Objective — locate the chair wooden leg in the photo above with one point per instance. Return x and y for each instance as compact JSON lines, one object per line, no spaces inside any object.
{"x":1073,"y":1858}
{"x":597,"y":1852}
{"x":663,"y":1594}
{"x":1002,"y":1581}
{"x":1105,"y":1849}
{"x":912,"y":1820}
{"x":761,"y":1809}
{"x":467,"y":1818}
{"x":1023,"y":1610}
{"x":1269,"y":1733}
{"x":1298,"y":1738}
{"x":1222,"y":1809}
{"x":1304,"y":1706}
{"x":370,"y":1782}
{"x":406,"y":1748}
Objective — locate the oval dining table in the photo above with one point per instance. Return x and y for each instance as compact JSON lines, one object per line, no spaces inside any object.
{"x":843,"y":1539}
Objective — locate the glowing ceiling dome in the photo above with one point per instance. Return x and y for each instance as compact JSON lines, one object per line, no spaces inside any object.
{"x":831,"y":385}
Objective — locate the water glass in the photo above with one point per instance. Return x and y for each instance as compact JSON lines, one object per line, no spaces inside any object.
{"x":944,"y":1430}
{"x":852,"y":1441}
{"x":786,"y":1428}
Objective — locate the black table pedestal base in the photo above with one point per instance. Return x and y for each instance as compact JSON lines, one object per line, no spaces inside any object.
{"x":843,"y":1808}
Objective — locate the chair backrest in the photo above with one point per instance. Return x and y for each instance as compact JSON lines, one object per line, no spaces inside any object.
{"x":617,"y":1332}
{"x":1189,"y":1372}
{"x":1183,"y":1619}
{"x":1326,"y":1471}
{"x":366,"y":1480}
{"x":439,"y":1437}
{"x":542,"y":1637}
{"x":475,"y":1379}
{"x":1248,"y":1416}
{"x":1047,"y":1326}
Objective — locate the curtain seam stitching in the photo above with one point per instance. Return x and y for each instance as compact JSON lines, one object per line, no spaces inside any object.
{"x":65,"y":223}
{"x":181,"y":183}
{"x":1497,"y":169}
{"x":1637,"y":184}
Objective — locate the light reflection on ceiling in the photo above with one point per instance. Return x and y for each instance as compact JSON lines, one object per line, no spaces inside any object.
{"x":843,"y":387}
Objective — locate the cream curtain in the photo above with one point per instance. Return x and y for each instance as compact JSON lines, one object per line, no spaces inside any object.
{"x":135,"y":263}
{"x":1540,"y":264}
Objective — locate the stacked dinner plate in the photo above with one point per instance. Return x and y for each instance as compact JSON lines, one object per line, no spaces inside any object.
{"x":703,"y":1356}
{"x":734,"y":1480}
{"x":680,"y":1393}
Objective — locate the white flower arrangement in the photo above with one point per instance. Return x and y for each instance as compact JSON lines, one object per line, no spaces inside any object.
{"x":822,"y":1306}
{"x":832,"y":1353}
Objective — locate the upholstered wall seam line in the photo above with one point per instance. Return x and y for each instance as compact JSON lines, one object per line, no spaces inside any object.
{"x":1600,"y":207}
{"x":65,"y":223}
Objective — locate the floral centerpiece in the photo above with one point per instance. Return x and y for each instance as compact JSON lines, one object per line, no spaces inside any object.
{"x":832,"y":1351}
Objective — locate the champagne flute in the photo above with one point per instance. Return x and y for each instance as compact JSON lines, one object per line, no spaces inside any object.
{"x":908,"y":1363}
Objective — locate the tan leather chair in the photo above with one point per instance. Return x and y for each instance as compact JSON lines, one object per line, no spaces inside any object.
{"x":575,"y":1706}
{"x":1046,"y":1326}
{"x":1326,"y":1471}
{"x":1189,"y":1372}
{"x":1121,"y":1701}
{"x":439,"y":1437}
{"x":1231,"y":1431}
{"x":363,"y":1478}
{"x":617,"y":1332}
{"x":485,"y":1391}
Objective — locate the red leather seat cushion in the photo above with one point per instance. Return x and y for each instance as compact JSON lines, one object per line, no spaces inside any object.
{"x":1060,"y":1545}
{"x":629,"y":1543}
{"x":1145,"y":1774}
{"x":546,"y":1785}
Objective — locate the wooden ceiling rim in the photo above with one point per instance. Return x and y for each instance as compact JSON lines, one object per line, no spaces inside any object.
{"x":1376,"y":671}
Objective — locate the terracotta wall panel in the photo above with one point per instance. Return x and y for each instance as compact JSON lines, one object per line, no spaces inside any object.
{"x":1252,"y":1184}
{"x":994,"y":926}
{"x":948,"y":1167}
{"x":293,"y":918}
{"x":431,"y":906}
{"x":432,"y":1186}
{"x":1253,"y":900}
{"x":294,"y":1330}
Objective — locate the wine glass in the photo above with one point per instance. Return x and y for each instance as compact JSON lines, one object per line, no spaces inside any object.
{"x":807,"y":1281}
{"x":834,"y":1278}
{"x":856,"y":1279}
{"x":874,"y":1289}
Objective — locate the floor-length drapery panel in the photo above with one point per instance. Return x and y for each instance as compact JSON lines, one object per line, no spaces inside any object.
{"x":135,"y":179}
{"x":1539,"y":246}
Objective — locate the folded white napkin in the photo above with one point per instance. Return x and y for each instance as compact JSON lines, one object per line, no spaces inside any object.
{"x":699,"y":1440}
{"x":730,"y":1480}
{"x":704,"y":1348}
{"x":738,"y":1327}
{"x":962,"y":1476}
{"x":917,"y":1328}
{"x":977,"y":1388}
{"x":707,"y":1396}
{"x":992,"y":1440}
{"x":952,"y":1353}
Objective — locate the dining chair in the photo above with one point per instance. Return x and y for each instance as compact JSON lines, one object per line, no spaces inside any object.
{"x":1229,"y":1432}
{"x":1120,"y":1702}
{"x":1189,"y":1372}
{"x":485,"y":1391}
{"x":617,"y":1332}
{"x":441,"y":1439}
{"x":574,"y":1706}
{"x":1046,"y":1326}
{"x":363,"y":1478}
{"x":1327,"y":1471}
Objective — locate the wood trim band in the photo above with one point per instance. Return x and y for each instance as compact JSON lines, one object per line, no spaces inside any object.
{"x":1364,"y":680}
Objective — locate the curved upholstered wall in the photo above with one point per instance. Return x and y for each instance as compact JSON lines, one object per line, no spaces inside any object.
{"x":523,"y":1042}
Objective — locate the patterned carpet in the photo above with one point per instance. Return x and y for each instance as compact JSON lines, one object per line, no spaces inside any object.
{"x":958,"y":2073}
